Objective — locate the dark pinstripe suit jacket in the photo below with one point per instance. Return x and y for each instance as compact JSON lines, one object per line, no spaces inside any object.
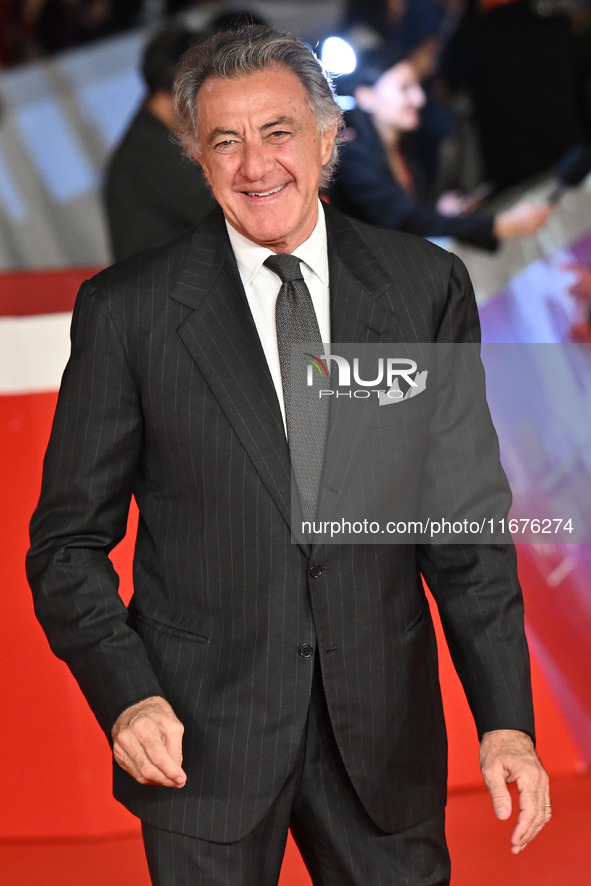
{"x":167,"y":397}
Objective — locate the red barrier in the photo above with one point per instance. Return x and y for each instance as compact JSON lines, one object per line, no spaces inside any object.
{"x":40,"y":292}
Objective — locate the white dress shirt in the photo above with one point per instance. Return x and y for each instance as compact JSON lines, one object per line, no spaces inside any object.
{"x":262,"y":288}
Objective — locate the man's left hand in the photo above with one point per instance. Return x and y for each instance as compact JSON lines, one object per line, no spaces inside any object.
{"x":506,"y":756}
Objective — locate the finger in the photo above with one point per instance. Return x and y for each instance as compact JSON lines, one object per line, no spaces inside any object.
{"x":526,"y":830}
{"x":494,"y":778}
{"x":156,"y":769}
{"x":160,"y":768}
{"x":165,"y":756}
{"x":535,"y":811}
{"x":528,"y":824}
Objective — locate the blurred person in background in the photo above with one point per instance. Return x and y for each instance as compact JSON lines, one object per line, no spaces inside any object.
{"x":416,"y":30}
{"x":379,"y":180}
{"x":152,"y":192}
{"x":516,"y":59}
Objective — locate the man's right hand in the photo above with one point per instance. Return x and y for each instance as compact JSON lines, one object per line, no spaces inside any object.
{"x":147,"y":743}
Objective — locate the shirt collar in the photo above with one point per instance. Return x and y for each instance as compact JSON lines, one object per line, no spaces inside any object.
{"x":313,"y":251}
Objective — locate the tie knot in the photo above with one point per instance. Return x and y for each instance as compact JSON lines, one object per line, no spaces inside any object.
{"x":287,"y":267}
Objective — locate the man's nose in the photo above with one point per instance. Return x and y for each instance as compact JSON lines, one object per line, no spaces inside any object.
{"x":255,"y":162}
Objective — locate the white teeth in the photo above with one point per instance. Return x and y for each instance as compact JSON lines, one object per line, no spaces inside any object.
{"x":265,"y":193}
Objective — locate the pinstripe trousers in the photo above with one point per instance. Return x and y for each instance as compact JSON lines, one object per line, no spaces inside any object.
{"x":340,"y":844}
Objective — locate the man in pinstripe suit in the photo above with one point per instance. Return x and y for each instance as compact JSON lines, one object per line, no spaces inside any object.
{"x":257,"y":684}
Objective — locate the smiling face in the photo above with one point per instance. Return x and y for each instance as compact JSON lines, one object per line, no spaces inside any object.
{"x":262,"y":155}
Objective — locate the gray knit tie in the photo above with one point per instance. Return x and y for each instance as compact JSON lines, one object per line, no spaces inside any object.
{"x":306,"y":413}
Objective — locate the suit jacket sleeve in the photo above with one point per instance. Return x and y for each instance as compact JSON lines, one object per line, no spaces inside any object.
{"x":475,"y":585}
{"x":82,"y":514}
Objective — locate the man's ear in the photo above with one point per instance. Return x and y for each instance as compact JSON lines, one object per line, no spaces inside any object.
{"x":327,"y":141}
{"x":365,"y":98}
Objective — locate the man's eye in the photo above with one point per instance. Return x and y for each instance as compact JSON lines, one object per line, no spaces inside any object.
{"x":226,"y":145}
{"x":280,"y":134}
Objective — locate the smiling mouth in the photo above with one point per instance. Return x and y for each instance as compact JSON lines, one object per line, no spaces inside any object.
{"x":265,"y":193}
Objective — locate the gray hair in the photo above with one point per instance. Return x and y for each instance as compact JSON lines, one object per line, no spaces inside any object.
{"x":246,"y":51}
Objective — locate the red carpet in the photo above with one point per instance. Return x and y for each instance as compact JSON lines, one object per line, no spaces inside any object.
{"x":479,"y":847}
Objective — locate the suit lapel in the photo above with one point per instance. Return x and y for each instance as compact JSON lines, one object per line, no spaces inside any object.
{"x":223,"y":341}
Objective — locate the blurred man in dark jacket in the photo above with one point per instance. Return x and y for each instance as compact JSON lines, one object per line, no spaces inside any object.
{"x":152,"y":192}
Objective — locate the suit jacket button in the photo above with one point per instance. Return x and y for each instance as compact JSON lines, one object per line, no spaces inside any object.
{"x":305,"y":650}
{"x":316,"y":571}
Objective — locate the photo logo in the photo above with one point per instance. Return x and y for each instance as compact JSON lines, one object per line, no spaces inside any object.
{"x":389,"y":371}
